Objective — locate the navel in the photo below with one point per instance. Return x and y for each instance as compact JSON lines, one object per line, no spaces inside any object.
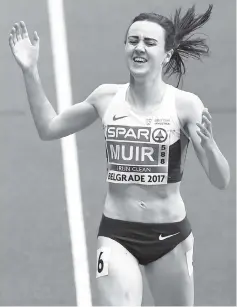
{"x":142,"y":204}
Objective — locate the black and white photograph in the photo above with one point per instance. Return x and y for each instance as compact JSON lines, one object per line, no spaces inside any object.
{"x":118,"y":153}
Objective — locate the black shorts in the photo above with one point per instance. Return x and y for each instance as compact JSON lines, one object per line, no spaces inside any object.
{"x":147,"y":242}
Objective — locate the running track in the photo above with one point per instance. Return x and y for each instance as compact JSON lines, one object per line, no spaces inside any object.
{"x":35,"y":255}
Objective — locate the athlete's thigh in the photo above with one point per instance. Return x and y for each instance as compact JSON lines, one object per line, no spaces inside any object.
{"x":170,"y":278}
{"x":118,"y":275}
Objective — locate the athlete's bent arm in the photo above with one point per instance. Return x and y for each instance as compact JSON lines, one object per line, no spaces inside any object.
{"x":199,"y":127}
{"x":49,"y":125}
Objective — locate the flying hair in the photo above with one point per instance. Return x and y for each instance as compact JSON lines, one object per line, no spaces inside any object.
{"x":179,"y":37}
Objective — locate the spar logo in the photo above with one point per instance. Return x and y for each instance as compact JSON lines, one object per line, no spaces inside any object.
{"x":126,"y":133}
{"x":159,"y":135}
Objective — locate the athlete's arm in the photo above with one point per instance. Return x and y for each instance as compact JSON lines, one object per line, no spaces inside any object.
{"x":80,"y":115}
{"x":50,"y":125}
{"x":199,"y":127}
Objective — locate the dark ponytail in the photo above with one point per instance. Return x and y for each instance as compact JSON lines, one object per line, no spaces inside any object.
{"x":184,"y":45}
{"x":179,"y":37}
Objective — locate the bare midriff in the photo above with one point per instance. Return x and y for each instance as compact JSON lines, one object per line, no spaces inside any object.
{"x":146,"y":204}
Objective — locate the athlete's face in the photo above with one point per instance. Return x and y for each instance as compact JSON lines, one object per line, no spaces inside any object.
{"x":145,"y":49}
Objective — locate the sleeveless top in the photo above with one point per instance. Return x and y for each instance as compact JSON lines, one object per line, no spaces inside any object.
{"x":144,"y":149}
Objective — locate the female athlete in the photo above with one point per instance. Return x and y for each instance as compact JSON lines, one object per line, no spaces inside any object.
{"x":148,"y":125}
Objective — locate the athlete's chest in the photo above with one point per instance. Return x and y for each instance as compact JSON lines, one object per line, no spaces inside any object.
{"x":125,"y":125}
{"x":137,"y":147}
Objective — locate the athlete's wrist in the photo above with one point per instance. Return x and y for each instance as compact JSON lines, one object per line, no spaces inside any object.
{"x":31,"y":71}
{"x":210,"y":146}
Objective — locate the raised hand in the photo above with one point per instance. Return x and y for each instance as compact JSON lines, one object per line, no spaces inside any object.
{"x":205,"y":131}
{"x":25,"y":52}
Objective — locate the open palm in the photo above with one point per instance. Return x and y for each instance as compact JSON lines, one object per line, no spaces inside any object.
{"x":25,"y":52}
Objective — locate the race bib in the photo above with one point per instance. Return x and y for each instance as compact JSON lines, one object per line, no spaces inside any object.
{"x":137,"y":154}
{"x":103,"y":255}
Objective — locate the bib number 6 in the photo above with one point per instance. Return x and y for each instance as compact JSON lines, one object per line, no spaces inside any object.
{"x":100,"y":265}
{"x":103,"y":255}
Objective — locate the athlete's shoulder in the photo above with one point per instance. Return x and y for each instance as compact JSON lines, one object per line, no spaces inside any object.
{"x":102,"y":96}
{"x":188,"y":104}
{"x":106,"y":90}
{"x":185,"y":97}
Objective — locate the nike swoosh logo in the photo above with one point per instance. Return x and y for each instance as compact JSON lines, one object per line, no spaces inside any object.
{"x":161,"y":237}
{"x":119,"y":117}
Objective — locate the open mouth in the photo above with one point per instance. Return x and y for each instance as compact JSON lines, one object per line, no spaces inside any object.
{"x":139,"y":60}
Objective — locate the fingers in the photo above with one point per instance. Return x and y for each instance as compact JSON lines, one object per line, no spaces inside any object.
{"x":206,"y":122}
{"x":18,"y":33}
{"x":23,"y":30}
{"x":203,"y":129}
{"x":206,"y":113}
{"x":13,"y":36}
{"x":11,"y":43}
{"x":17,"y":30}
{"x":202,"y":135}
{"x":35,"y":39}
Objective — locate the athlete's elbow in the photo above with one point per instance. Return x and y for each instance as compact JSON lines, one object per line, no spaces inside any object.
{"x":225,"y":184}
{"x":226,"y":179}
{"x":45,"y":136}
{"x":222,"y":185}
{"x":52,"y":135}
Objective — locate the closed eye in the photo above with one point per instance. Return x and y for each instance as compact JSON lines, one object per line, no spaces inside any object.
{"x":150,"y":42}
{"x":133,"y":41}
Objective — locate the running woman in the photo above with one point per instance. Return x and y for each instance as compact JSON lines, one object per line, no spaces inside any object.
{"x":148,"y":125}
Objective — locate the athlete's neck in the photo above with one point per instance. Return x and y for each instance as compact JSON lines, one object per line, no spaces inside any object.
{"x":145,"y":95}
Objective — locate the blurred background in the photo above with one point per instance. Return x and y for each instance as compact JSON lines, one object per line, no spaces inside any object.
{"x":35,"y":251}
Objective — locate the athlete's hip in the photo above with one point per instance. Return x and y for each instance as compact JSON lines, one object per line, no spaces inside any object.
{"x":146,"y":241}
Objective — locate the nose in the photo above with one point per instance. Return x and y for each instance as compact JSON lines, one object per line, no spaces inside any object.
{"x":140,"y":46}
